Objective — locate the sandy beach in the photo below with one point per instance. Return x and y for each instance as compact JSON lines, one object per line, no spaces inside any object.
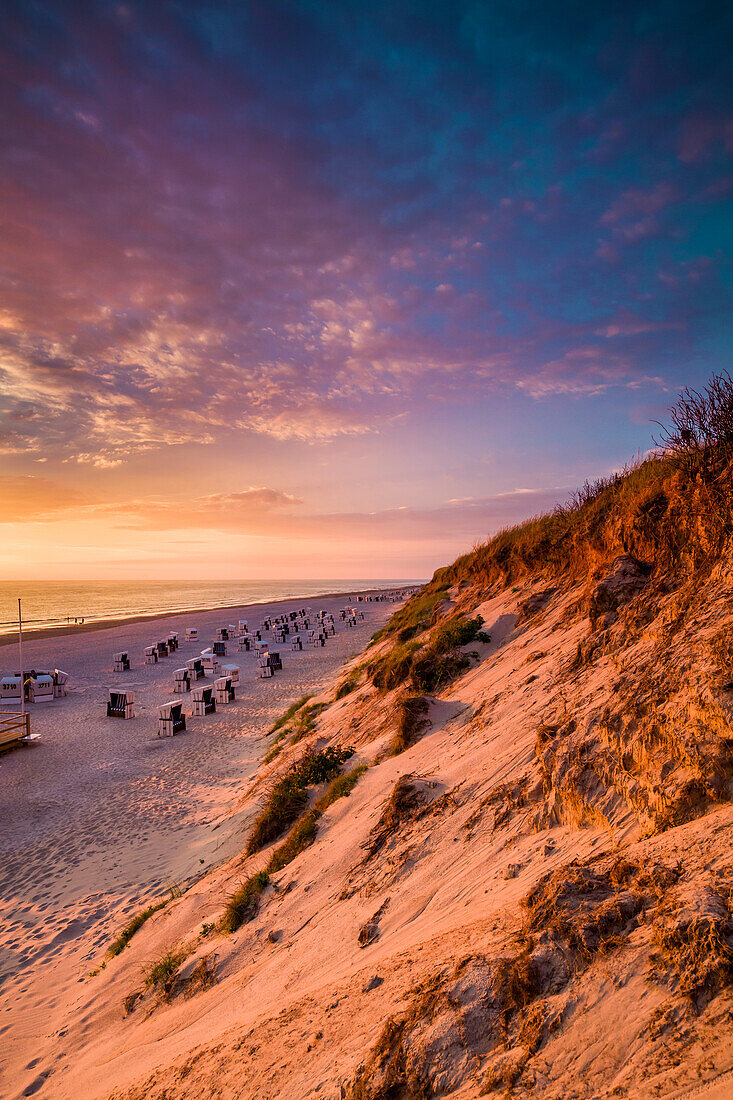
{"x":102,"y":816}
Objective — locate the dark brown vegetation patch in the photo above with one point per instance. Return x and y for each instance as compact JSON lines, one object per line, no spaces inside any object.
{"x":411,"y":721}
{"x":403,"y":805}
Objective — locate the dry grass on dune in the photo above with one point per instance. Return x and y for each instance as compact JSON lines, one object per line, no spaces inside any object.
{"x":406,"y":800}
{"x":411,"y":720}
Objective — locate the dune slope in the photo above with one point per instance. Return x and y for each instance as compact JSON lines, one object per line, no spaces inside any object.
{"x":527,"y":889}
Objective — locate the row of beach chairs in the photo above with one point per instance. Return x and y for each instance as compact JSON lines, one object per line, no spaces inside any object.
{"x":35,"y":686}
{"x":171,"y":719}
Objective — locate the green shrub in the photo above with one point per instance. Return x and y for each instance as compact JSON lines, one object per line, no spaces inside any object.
{"x":161,"y":976}
{"x":289,"y":794}
{"x":456,"y":632}
{"x":318,"y":767}
{"x":341,"y":787}
{"x":243,"y":904}
{"x":427,"y":668}
{"x":300,"y":837}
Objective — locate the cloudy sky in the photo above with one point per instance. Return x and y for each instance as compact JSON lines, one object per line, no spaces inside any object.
{"x":332,"y":288}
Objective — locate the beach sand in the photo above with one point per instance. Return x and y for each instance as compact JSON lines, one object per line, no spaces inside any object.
{"x":102,"y":816}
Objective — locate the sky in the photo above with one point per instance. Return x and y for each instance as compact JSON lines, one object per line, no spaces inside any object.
{"x":338,"y":288}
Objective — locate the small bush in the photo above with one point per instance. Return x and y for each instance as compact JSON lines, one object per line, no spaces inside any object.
{"x":125,"y":935}
{"x":427,"y":667}
{"x":441,"y":662}
{"x":161,"y":975}
{"x":341,"y":787}
{"x":289,"y":795}
{"x":318,"y":767}
{"x":242,"y":906}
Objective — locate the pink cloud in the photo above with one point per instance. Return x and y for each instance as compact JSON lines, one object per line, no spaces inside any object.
{"x":632,"y":216}
{"x":700,"y":133}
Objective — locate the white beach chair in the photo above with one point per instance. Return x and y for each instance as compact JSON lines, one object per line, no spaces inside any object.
{"x":225,"y":692}
{"x":231,"y":672}
{"x":10,"y":690}
{"x":171,"y":719}
{"x":192,"y":634}
{"x":203,"y":700}
{"x":181,"y":681}
{"x":151,"y":655}
{"x":60,"y":679}
{"x":121,"y":704}
{"x":195,"y":667}
{"x":210,"y":663}
{"x":121,"y":662}
{"x":40,"y":688}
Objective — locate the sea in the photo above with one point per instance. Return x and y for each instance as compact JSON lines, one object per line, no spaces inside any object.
{"x":59,"y":603}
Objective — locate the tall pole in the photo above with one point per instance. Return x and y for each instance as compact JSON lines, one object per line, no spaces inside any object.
{"x":20,"y":651}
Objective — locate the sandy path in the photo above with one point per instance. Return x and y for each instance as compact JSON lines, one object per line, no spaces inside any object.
{"x":103,"y":815}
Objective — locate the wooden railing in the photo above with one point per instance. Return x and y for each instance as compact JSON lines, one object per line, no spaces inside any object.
{"x":13,"y":727}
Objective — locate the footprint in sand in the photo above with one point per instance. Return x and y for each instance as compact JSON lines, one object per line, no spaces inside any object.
{"x":36,"y":1083}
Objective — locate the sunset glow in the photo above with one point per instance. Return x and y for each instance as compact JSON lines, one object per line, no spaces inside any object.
{"x":294,"y":289}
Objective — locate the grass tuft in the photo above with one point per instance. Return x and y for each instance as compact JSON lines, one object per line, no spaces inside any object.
{"x":289,"y":713}
{"x":410,"y":721}
{"x":305,"y":721}
{"x":121,"y":941}
{"x":161,"y":976}
{"x":341,"y":787}
{"x":243,"y":904}
{"x":300,"y":837}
